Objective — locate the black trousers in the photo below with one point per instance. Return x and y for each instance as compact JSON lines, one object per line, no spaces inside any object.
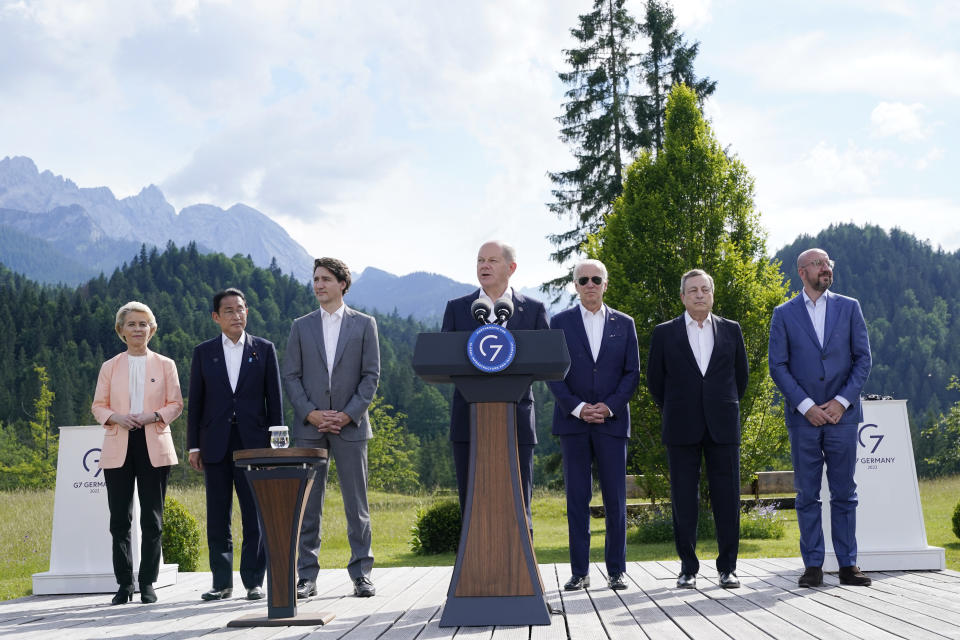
{"x":152,"y":489}
{"x":723,"y":476}
{"x":221,"y":479}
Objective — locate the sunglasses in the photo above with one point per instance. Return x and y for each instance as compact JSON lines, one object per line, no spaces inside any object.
{"x":597,"y":280}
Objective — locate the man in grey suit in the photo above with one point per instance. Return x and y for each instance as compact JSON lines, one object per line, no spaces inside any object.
{"x":331,"y":371}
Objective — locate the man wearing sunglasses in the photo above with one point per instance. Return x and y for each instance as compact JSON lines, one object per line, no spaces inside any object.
{"x":820,"y":358}
{"x":697,"y":374}
{"x":592,"y":418}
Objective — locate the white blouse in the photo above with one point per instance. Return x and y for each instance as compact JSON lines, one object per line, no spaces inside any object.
{"x":137,"y":366}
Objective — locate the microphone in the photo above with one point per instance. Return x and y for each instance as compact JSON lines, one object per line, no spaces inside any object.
{"x":481,"y":310}
{"x":503,"y":308}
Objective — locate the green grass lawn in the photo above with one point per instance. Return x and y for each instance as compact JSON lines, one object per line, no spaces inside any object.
{"x":25,"y":540}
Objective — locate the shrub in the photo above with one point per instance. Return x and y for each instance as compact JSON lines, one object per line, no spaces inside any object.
{"x":956,"y":520}
{"x":181,"y":536}
{"x":656,"y":525}
{"x":762,"y":523}
{"x":437,"y":529}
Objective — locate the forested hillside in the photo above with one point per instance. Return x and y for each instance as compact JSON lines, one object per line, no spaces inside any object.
{"x":69,"y":331}
{"x":908,"y":291}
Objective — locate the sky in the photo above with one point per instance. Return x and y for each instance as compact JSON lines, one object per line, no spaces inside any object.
{"x":402,"y":134}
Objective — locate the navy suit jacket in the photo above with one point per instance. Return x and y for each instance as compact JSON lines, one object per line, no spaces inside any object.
{"x":257,"y":402}
{"x":611,"y":379}
{"x":528,"y":314}
{"x":691,"y":402}
{"x":802,"y":369}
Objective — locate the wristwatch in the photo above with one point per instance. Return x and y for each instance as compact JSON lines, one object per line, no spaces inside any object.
{"x":156,"y":415}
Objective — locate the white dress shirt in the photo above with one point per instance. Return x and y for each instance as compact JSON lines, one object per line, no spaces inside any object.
{"x":137,"y":368}
{"x":593,"y":324}
{"x":331,"y":334}
{"x":817,"y":311}
{"x":701,"y":339}
{"x":233,"y":357}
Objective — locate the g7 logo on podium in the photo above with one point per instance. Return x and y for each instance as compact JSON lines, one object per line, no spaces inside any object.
{"x":491,"y":348}
{"x":877,"y":437}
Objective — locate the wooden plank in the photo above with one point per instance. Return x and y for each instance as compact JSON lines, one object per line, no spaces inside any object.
{"x":646,"y":613}
{"x":552,"y":584}
{"x":894,"y":607}
{"x":581,"y":617}
{"x":668,"y":599}
{"x":412,"y":622}
{"x":859,"y":621}
{"x":615,"y":617}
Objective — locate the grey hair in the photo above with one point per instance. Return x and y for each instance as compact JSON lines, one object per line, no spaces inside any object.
{"x":133,"y":305}
{"x":693,"y":273}
{"x":590,"y":262}
{"x":509,"y":253}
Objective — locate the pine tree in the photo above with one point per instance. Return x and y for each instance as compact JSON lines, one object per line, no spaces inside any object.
{"x":597,"y":122}
{"x":668,"y":61}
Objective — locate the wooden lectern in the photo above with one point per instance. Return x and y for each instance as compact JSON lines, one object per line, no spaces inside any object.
{"x":281,"y":481}
{"x":495,"y":580}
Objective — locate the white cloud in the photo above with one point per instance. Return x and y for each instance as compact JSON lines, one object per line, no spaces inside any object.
{"x":903,"y":121}
{"x":929,"y":159}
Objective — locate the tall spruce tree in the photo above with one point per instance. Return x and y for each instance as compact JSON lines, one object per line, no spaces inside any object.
{"x":606,"y":124}
{"x":597,"y":122}
{"x":668,"y":61}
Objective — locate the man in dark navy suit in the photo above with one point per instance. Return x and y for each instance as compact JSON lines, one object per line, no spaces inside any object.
{"x":234,"y":398}
{"x":496,"y":262}
{"x":697,"y":374}
{"x":592,"y":418}
{"x":819,"y":357}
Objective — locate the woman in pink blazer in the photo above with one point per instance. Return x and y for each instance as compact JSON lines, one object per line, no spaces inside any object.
{"x":137,"y":398}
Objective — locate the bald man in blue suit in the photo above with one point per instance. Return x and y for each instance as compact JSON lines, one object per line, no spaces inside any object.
{"x":820,"y":359}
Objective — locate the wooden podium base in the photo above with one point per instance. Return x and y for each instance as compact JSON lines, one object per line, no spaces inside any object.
{"x":496,"y":580}
{"x":299,"y":620}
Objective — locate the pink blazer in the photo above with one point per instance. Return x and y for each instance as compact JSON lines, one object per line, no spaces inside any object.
{"x":161,"y":393}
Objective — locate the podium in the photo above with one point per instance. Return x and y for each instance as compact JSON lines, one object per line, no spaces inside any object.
{"x":495,"y":580}
{"x":281,"y":480}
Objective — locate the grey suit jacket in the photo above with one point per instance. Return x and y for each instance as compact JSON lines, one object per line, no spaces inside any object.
{"x":356,"y":372}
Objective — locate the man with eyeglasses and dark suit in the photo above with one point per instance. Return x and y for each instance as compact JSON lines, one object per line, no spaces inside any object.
{"x":820,"y":358}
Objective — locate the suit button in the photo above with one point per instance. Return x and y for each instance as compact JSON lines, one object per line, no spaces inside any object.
{"x":823,"y":357}
{"x":821,"y":378}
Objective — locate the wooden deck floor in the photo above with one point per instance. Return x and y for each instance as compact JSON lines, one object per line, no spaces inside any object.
{"x":914,"y":605}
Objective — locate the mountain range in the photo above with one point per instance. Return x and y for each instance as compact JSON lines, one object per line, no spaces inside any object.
{"x":52,"y":231}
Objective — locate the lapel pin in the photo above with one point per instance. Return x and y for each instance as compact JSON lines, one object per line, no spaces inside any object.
{"x":153,"y":379}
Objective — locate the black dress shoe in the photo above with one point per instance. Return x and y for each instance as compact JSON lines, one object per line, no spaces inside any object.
{"x":853,"y":576}
{"x":616,"y":581}
{"x":255,"y":593}
{"x":124,"y":594}
{"x":363,"y":588}
{"x":218,"y":594}
{"x":812,"y":577}
{"x":306,"y":588}
{"x":687,"y":581}
{"x":147,"y":594}
{"x":575,"y":583}
{"x":729,"y":580}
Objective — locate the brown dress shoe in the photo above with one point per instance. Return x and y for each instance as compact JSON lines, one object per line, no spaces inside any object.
{"x":812,"y":577}
{"x":853,"y":576}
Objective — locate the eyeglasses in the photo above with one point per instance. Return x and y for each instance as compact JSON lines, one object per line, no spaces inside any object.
{"x":819,"y":262}
{"x":597,"y":280}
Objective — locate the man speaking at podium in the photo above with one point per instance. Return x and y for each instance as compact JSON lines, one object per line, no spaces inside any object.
{"x":496,"y":262}
{"x":592,"y":418}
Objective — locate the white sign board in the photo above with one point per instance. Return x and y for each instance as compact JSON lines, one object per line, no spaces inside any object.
{"x":890,"y":530}
{"x":81,"y":559}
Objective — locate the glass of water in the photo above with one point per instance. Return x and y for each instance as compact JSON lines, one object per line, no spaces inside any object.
{"x":279,"y":437}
